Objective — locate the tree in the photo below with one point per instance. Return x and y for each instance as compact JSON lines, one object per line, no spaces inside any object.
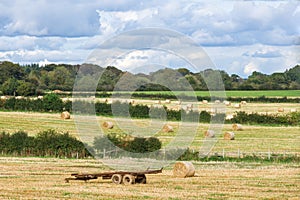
{"x":25,"y":88}
{"x":10,"y":70}
{"x":10,"y":87}
{"x":52,"y":102}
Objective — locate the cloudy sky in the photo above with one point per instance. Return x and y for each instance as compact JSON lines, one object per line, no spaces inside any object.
{"x":238,"y":36}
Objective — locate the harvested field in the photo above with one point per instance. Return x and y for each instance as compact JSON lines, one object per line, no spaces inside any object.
{"x":251,"y":139}
{"x":43,"y":178}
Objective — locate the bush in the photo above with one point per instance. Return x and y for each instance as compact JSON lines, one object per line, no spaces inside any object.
{"x":46,"y":143}
{"x":52,"y":102}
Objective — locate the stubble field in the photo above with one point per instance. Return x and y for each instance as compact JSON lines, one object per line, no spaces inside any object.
{"x":43,"y":178}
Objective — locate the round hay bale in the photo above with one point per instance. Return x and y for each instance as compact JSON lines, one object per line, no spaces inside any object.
{"x":157,"y":102}
{"x":237,"y":105}
{"x":57,"y":91}
{"x":168,"y":101}
{"x":205,"y":102}
{"x":293,"y":110}
{"x":229,"y":117}
{"x":227,"y":103}
{"x":184,"y":169}
{"x":108,"y":125}
{"x":209,"y":134}
{"x":168,"y":128}
{"x":217,"y":101}
{"x":229,"y":136}
{"x":243,"y":102}
{"x":280,"y":109}
{"x":65,"y":115}
{"x":237,"y":127}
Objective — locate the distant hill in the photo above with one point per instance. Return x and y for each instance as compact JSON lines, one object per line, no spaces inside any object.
{"x":33,"y":79}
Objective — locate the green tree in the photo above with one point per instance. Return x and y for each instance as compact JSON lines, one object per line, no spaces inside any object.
{"x":10,"y":87}
{"x":25,"y":88}
{"x":52,"y":102}
{"x":9,"y":70}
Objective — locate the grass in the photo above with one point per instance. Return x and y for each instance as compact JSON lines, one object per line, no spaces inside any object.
{"x":236,"y":93}
{"x":252,"y":139}
{"x":43,"y":178}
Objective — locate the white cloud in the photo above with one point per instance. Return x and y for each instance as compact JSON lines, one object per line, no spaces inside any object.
{"x":250,"y":67}
{"x":235,"y":33}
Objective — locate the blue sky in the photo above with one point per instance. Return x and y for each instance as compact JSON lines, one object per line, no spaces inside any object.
{"x":238,"y":36}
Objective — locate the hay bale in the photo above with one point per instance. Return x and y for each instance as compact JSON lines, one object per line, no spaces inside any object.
{"x":243,"y":102}
{"x":237,"y":127}
{"x":227,"y":103}
{"x":293,"y":110}
{"x":229,"y":117}
{"x":280,"y":109}
{"x":168,"y":128}
{"x":108,"y":125}
{"x":57,"y":91}
{"x":209,"y":134}
{"x":157,"y":102}
{"x":65,"y":115}
{"x":229,"y":135}
{"x":237,"y":105}
{"x":213,"y":111}
{"x":184,"y":169}
{"x":205,"y":102}
{"x":217,"y":101}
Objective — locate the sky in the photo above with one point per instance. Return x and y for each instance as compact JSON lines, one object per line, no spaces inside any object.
{"x":238,"y":36}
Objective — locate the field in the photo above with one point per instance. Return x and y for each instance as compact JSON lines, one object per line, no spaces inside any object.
{"x":251,"y":139}
{"x":238,"y":93}
{"x":43,"y":178}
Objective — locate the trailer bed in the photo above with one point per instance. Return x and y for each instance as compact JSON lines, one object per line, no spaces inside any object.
{"x":117,"y":177}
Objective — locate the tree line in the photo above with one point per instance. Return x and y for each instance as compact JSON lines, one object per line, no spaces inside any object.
{"x":49,"y":143}
{"x":52,"y":103}
{"x":30,"y":80}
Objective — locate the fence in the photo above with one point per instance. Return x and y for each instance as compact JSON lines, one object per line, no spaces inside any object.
{"x":191,"y":154}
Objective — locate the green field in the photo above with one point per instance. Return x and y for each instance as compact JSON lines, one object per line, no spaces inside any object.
{"x":251,"y":139}
{"x":238,"y":93}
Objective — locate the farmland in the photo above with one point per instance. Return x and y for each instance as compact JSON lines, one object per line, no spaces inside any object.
{"x":252,"y":139}
{"x":233,"y":93}
{"x":43,"y":178}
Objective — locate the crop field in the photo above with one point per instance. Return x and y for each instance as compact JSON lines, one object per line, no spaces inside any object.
{"x":277,"y":139}
{"x":237,"y":93}
{"x":43,"y":178}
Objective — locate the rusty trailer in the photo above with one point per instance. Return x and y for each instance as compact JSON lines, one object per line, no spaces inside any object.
{"x":117,"y":177}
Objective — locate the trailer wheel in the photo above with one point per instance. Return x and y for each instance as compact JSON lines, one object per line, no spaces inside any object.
{"x":128,"y":179}
{"x":141,"y":179}
{"x":116,"y":178}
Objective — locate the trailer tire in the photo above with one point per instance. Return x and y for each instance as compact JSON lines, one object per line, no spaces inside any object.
{"x":117,"y":178}
{"x":128,"y":179}
{"x":141,"y":179}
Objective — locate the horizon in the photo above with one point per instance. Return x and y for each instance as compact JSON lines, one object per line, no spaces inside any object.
{"x":24,"y":65}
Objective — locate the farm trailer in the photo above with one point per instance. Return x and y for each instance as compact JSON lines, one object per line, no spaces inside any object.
{"x":117,"y":177}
